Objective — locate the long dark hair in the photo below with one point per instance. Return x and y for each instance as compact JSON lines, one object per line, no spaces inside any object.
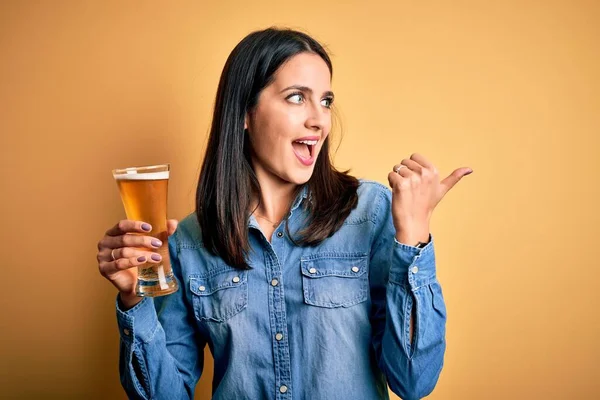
{"x":227,"y":180}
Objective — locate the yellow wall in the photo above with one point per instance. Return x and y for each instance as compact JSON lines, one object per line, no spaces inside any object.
{"x":509,"y":88}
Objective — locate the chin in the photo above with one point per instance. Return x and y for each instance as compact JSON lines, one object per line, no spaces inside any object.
{"x":300,"y":177}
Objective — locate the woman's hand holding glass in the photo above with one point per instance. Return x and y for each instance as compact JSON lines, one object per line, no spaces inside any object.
{"x":122,"y":249}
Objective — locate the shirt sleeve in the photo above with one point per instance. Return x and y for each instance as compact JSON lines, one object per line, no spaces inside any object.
{"x":403,"y":283}
{"x":161,"y":353}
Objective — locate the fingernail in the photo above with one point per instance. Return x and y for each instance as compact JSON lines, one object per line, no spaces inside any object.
{"x":469,"y":172}
{"x":156,"y":257}
{"x":141,"y":259}
{"x":146,"y":227}
{"x":156,"y":243}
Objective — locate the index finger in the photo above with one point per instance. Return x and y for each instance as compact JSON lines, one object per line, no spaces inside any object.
{"x":127,"y":226}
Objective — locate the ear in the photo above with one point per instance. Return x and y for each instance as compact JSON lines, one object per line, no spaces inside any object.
{"x":246,"y":122}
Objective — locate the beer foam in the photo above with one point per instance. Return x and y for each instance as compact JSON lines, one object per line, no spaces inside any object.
{"x":149,"y":176}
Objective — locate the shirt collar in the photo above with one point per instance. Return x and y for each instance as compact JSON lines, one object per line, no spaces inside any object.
{"x":302,"y":195}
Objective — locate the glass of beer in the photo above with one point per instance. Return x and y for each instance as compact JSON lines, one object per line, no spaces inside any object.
{"x":144,"y":195}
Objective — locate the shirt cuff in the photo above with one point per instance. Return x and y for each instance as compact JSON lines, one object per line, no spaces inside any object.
{"x":413,"y":266}
{"x":138,"y":323}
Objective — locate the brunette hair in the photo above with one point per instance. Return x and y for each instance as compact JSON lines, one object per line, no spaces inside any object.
{"x":227,"y":180}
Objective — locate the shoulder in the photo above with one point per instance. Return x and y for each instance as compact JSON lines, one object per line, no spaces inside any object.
{"x":372,"y":190}
{"x":188,"y":233}
{"x":373,"y":198}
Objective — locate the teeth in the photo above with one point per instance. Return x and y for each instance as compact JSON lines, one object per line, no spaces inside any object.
{"x":308,"y":142}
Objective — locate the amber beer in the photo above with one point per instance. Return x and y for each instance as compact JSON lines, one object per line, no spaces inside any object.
{"x":144,"y":195}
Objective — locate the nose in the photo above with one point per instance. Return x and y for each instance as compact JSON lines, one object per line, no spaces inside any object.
{"x":318,"y":118}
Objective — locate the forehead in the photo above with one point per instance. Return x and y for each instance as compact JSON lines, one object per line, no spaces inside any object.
{"x":306,"y":69}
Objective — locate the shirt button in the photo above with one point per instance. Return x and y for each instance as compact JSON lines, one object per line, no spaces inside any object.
{"x":415,"y":269}
{"x":312,"y":270}
{"x":274,"y":282}
{"x":283,"y":388}
{"x":202,"y":288}
{"x":354,"y":269}
{"x":126,"y":332}
{"x":236,"y":279}
{"x":279,"y":336}
{"x":279,"y":234}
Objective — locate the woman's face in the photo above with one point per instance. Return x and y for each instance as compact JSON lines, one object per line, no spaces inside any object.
{"x":291,"y":120}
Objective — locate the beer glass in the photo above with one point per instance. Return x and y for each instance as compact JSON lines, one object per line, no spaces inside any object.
{"x":144,"y":194}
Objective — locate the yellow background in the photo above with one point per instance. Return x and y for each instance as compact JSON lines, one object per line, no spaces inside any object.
{"x":508,"y":88}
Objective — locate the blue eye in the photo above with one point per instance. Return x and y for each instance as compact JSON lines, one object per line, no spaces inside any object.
{"x":296,"y":98}
{"x":327,"y":102}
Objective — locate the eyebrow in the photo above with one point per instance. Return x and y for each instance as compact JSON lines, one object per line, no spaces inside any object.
{"x":306,"y":89}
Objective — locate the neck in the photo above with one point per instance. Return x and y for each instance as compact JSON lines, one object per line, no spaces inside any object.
{"x":274,"y":199}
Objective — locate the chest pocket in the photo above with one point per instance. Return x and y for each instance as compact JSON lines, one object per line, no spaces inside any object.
{"x":219,"y":295}
{"x":334,"y":281}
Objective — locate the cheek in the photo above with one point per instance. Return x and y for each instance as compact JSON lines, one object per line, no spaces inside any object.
{"x":278,"y":121}
{"x":329,"y":123}
{"x":278,"y":133}
{"x":268,"y":141}
{"x":288,"y":124}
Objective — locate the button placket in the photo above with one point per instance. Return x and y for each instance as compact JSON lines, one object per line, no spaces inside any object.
{"x":277,"y":310}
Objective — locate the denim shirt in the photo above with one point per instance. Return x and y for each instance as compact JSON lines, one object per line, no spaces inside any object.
{"x":329,"y":321}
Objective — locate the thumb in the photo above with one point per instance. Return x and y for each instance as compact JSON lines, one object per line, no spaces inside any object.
{"x":171,"y":226}
{"x":452,"y":179}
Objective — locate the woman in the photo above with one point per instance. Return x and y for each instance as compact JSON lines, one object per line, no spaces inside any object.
{"x":301,"y":279}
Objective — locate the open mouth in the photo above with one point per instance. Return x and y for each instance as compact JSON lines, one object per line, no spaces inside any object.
{"x":305,"y":148}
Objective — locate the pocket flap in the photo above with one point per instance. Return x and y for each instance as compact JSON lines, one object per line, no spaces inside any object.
{"x":343,"y":266}
{"x":215,"y":281}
